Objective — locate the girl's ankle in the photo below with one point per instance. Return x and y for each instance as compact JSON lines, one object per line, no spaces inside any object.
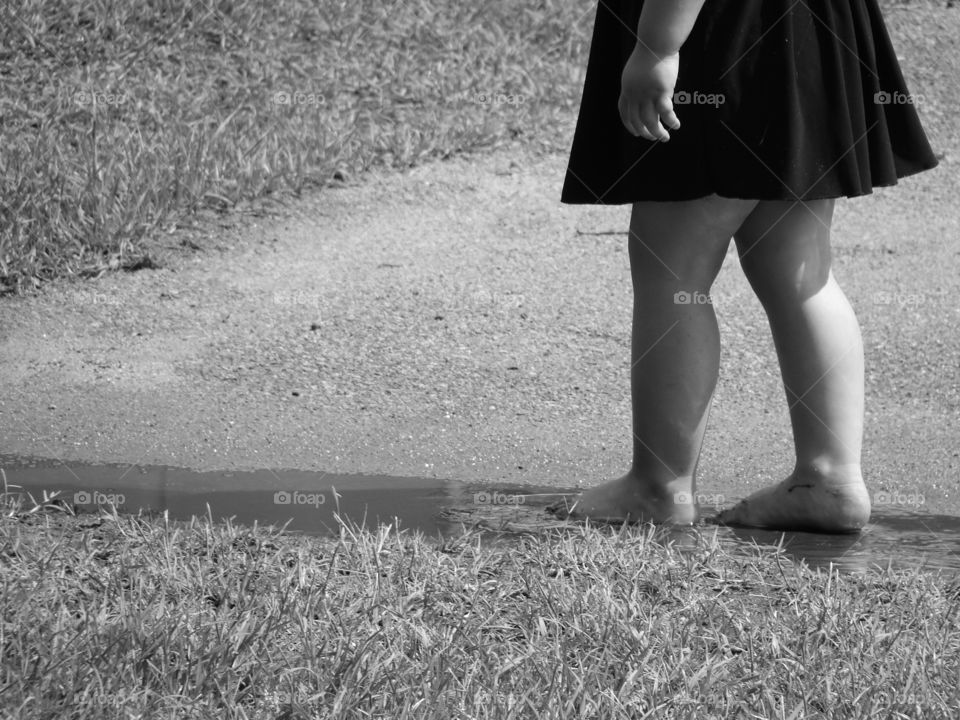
{"x":825,"y":472}
{"x":661,"y":485}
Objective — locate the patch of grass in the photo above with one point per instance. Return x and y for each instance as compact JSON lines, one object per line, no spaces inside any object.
{"x":109,"y":616}
{"x":119,"y":119}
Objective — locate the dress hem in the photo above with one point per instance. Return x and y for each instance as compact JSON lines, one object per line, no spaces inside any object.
{"x":781,"y":198}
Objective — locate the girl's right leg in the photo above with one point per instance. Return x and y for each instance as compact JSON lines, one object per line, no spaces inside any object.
{"x":785,"y":253}
{"x":676,"y":250}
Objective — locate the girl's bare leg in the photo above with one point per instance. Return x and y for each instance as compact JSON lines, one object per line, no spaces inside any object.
{"x":676,"y":250}
{"x":785,"y":253}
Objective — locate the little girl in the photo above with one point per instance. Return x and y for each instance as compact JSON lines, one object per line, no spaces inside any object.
{"x":785,"y":105}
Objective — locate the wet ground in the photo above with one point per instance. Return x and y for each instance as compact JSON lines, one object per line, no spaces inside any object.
{"x":310,"y":501}
{"x":455,"y":323}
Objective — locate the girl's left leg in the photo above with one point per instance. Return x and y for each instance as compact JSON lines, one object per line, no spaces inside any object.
{"x":785,"y":254}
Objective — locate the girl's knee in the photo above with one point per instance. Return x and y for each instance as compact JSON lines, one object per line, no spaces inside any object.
{"x":786,"y":255}
{"x":785,"y":280}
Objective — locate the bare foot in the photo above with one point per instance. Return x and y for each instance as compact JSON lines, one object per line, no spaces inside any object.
{"x":631,"y":499}
{"x":798,"y":503}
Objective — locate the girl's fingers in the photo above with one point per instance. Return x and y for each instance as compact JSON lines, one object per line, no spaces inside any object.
{"x":651,"y":121}
{"x":645,"y":134}
{"x":667,"y":116}
{"x":644,"y":119}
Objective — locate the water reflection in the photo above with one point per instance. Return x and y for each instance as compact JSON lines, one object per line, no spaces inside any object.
{"x":309,"y":502}
{"x":306,"y":502}
{"x":903,"y":540}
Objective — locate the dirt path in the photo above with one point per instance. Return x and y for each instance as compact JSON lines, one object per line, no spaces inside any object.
{"x":457,"y":322}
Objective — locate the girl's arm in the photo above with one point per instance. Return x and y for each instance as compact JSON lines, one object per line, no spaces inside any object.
{"x":665,"y":24}
{"x":650,"y":75}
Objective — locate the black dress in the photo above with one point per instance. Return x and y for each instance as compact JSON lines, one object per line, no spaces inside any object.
{"x":778,"y":100}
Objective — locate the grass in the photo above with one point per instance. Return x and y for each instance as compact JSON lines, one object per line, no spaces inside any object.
{"x":113,"y":616}
{"x":120,"y":121}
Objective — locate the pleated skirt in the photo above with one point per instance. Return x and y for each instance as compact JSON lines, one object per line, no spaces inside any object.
{"x":778,"y":100}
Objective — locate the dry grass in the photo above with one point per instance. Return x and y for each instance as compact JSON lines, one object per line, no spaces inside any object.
{"x":120,"y":120}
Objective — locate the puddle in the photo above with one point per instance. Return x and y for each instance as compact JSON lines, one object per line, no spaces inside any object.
{"x":308,"y":501}
{"x":900,"y":539}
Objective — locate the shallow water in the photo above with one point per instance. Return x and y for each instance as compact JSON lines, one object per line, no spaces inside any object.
{"x":310,"y":500}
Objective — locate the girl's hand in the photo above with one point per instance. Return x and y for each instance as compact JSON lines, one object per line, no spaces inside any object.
{"x":646,"y":92}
